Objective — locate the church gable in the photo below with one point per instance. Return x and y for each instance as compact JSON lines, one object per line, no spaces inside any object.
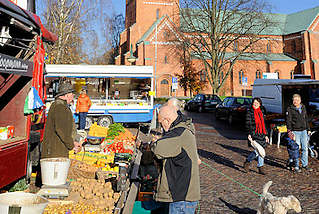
{"x":315,"y":25}
{"x":163,"y":31}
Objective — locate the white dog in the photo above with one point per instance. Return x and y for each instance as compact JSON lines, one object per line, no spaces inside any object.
{"x":270,"y":204}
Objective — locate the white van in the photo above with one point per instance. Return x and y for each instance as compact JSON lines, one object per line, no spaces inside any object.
{"x":276,"y":94}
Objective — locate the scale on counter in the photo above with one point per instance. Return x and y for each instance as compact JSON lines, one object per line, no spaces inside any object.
{"x":92,"y":148}
{"x":54,"y":192}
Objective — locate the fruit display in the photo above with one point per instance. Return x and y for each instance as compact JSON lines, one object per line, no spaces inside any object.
{"x":90,"y":169}
{"x":98,"y":131}
{"x":92,"y":158}
{"x":116,"y":146}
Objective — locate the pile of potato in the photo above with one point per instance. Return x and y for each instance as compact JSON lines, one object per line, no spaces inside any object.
{"x":73,"y":208}
{"x":94,"y":197}
{"x":95,"y":192}
{"x":86,"y":167}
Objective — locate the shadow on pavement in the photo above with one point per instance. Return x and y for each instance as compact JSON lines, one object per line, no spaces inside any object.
{"x":238,"y":150}
{"x":208,"y":121}
{"x":269,"y":160}
{"x":219,"y":159}
{"x":237,"y":209}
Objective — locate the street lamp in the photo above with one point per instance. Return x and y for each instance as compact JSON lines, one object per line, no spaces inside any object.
{"x":131,"y":59}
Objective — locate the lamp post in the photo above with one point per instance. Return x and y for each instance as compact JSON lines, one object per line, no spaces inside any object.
{"x":131,"y":59}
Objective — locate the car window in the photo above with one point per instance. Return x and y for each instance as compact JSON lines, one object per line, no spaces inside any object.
{"x":240,"y":101}
{"x":247,"y":101}
{"x":224,"y":103}
{"x":228,"y":102}
{"x":231,"y":101}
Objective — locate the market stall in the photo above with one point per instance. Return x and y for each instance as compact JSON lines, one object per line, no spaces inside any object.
{"x":99,"y":176}
{"x":120,"y":94}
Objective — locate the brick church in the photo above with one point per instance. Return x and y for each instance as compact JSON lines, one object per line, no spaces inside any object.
{"x":291,"y":49}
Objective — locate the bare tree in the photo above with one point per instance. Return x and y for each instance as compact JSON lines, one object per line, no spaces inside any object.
{"x":115,"y":26}
{"x":79,"y":26}
{"x":219,"y":32}
{"x":64,"y":19}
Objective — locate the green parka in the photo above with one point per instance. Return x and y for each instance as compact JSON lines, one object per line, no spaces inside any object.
{"x":179,"y":177}
{"x":60,"y":131}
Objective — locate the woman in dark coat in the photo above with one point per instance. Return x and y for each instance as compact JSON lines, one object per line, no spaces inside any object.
{"x":256,"y":128}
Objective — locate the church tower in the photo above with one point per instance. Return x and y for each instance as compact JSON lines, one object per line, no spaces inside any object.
{"x":145,"y":12}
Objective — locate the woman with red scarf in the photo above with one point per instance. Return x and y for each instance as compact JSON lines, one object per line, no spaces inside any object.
{"x":255,"y":124}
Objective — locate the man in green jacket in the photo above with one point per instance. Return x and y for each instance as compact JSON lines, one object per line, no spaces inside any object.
{"x":60,"y":131}
{"x":178,"y":182}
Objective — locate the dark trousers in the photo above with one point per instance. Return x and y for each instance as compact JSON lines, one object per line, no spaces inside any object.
{"x":82,"y":119}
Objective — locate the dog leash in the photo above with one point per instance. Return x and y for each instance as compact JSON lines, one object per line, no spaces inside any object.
{"x":230,"y":178}
{"x":233,"y":180}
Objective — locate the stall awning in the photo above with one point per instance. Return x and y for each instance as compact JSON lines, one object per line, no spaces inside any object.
{"x":99,"y":71}
{"x":27,"y":18}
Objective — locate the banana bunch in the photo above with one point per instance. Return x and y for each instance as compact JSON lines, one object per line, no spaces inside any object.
{"x":108,"y":168}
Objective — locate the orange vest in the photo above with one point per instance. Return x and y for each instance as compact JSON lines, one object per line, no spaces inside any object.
{"x":83,"y":104}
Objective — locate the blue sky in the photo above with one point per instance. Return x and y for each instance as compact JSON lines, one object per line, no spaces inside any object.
{"x":291,"y":6}
{"x":279,"y":6}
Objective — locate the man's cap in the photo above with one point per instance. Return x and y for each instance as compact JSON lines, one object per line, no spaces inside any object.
{"x":64,"y":88}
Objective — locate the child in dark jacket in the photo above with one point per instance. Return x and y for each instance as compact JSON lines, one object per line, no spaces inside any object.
{"x":293,"y":151}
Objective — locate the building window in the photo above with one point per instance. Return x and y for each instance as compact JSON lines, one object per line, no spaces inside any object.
{"x":235,"y":45}
{"x":157,"y":13}
{"x":164,"y":82}
{"x":165,"y":60}
{"x":268,"y":48}
{"x":291,"y":74}
{"x":258,"y":74}
{"x":240,"y":76}
{"x":293,"y":45}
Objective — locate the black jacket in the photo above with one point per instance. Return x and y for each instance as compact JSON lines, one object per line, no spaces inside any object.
{"x":251,"y":126}
{"x":297,"y":121}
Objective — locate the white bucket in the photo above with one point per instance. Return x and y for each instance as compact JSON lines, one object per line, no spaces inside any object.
{"x":54,"y":171}
{"x":22,"y":203}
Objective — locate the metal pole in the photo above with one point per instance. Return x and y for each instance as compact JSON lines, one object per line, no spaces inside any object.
{"x":31,"y":6}
{"x":155,"y":61}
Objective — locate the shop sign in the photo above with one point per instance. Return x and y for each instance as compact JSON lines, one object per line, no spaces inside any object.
{"x":174,"y":83}
{"x":9,"y":64}
{"x":270,"y":75}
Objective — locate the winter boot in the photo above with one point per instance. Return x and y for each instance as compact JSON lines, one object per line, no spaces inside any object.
{"x":261,"y":171}
{"x":247,"y":166}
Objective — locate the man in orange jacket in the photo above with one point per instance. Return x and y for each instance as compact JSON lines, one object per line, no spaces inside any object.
{"x":83,"y":105}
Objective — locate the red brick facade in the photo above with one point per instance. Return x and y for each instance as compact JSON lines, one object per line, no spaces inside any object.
{"x":148,"y":21}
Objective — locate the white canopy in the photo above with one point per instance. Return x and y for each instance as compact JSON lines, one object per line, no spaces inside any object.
{"x":87,"y":71}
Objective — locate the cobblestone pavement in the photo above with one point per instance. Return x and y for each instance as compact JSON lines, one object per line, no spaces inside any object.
{"x":224,"y":148}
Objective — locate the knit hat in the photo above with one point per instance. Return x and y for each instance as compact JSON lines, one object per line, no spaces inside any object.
{"x":291,"y":135}
{"x":64,"y":88}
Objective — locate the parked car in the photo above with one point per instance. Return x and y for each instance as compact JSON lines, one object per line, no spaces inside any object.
{"x":233,"y":108}
{"x":203,"y":102}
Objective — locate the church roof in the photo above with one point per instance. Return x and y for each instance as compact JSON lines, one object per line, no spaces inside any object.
{"x":150,"y":30}
{"x":282,"y":24}
{"x":255,"y":56}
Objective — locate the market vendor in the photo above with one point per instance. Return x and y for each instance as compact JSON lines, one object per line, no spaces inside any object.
{"x":60,"y":131}
{"x":179,"y":178}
